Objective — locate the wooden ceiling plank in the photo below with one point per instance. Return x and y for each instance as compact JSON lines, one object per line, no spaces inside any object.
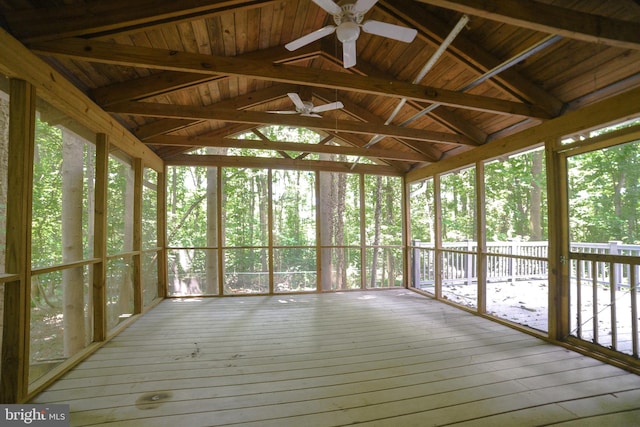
{"x":146,"y":87}
{"x":469,"y":53}
{"x":291,"y":164}
{"x":235,"y":116}
{"x":160,"y":127}
{"x":114,"y":16}
{"x":551,"y":19}
{"x":91,"y":50}
{"x":287,"y":146}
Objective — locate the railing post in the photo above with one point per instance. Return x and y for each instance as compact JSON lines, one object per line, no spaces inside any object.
{"x":415,"y":264}
{"x":469,"y":262}
{"x":617,"y":269}
{"x":512,"y":273}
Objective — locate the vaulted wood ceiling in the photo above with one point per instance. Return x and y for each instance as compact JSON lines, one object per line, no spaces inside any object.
{"x":190,"y":74}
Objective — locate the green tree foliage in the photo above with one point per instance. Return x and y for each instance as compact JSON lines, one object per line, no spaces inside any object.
{"x":458,"y":205}
{"x":515,"y":196}
{"x":605,"y":195}
{"x":422,"y":210}
{"x":46,"y":233}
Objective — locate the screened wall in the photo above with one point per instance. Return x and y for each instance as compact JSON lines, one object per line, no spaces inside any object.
{"x":480,"y":238}
{"x":279,"y":231}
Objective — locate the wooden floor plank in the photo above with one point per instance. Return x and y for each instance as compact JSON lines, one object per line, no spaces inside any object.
{"x":385,"y":358}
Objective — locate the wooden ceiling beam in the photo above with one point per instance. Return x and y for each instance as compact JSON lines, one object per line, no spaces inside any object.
{"x":103,"y":18}
{"x":290,"y":164}
{"x":469,"y":53}
{"x":258,"y":118}
{"x":287,"y":146}
{"x":167,"y":82}
{"x":550,"y":19}
{"x":248,"y":100}
{"x":167,"y":151}
{"x":95,"y":51}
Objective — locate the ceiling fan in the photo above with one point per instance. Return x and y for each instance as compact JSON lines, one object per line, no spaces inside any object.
{"x":348,"y":18}
{"x":306,"y":108}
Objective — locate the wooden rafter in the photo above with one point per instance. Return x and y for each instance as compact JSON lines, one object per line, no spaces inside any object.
{"x":292,"y":164}
{"x":170,"y":81}
{"x":167,"y":125}
{"x":90,"y":50}
{"x":258,"y":118}
{"x":288,"y":146}
{"x":550,"y":19}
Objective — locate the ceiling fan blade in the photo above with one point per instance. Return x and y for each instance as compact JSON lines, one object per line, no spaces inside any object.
{"x":297,"y":101}
{"x":391,"y":31}
{"x":282,"y":111}
{"x":310,"y":115}
{"x":327,"y":107}
{"x":363,"y":6}
{"x":329,"y":6}
{"x":310,"y":38}
{"x":349,"y":54}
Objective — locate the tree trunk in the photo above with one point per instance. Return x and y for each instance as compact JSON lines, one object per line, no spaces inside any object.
{"x":72,"y":250}
{"x":341,"y":267}
{"x":377,"y":216}
{"x":211,"y":260}
{"x":535,"y":210}
{"x":327,"y":209}
{"x":263,"y":203}
{"x":389,"y":218}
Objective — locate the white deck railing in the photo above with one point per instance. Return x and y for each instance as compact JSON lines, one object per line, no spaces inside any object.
{"x":513,"y":261}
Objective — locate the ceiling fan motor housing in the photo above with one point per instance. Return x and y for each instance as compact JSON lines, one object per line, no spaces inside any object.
{"x":348,"y":14}
{"x":348,"y":22}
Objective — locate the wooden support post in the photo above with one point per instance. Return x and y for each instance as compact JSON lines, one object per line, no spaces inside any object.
{"x":559,"y":325}
{"x":406,"y":234}
{"x":481,"y":232}
{"x":320,"y":272}
{"x":437,"y":237}
{"x":270,"y":250}
{"x":138,"y":170}
{"x":15,"y":340}
{"x":100,"y":239}
{"x":221,"y":263}
{"x":162,"y":233}
{"x":363,"y":237}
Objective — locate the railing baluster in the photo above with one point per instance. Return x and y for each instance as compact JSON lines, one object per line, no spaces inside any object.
{"x":594,"y":292}
{"x":612,"y":290}
{"x":634,"y":310}
{"x":579,"y":298}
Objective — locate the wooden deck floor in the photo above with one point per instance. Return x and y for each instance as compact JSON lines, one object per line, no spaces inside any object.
{"x":386,"y":358}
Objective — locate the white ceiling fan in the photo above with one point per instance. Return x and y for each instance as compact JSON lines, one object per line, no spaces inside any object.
{"x":348,"y":18}
{"x":306,"y":108}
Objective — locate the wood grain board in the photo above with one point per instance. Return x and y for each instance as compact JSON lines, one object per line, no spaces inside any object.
{"x":381,"y":358}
